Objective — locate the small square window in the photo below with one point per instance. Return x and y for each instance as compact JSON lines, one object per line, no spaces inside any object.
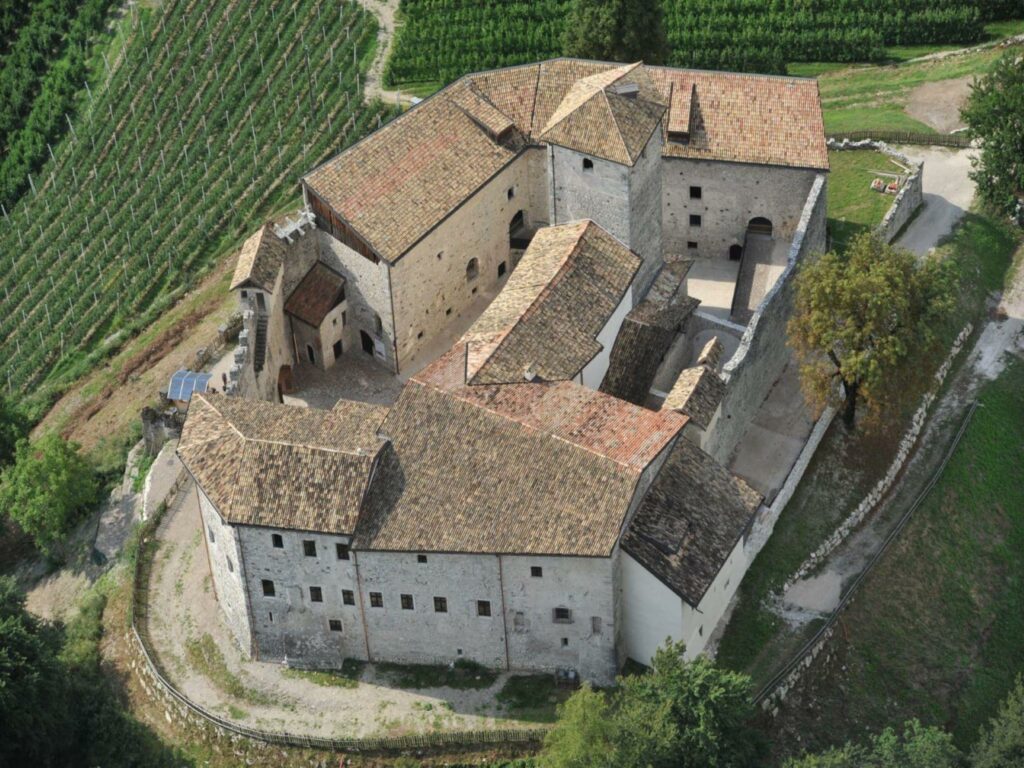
{"x":588,"y":164}
{"x":376,"y":600}
{"x":268,"y":588}
{"x":440,"y":605}
{"x":421,"y":558}
{"x":536,"y":571}
{"x":335,"y":625}
{"x":695,"y":220}
{"x":692,"y":245}
{"x":342,"y":550}
{"x":309,"y":548}
{"x":316,"y":595}
{"x":348,"y":597}
{"x":458,"y":651}
{"x":277,"y":540}
{"x":407,"y":603}
{"x":483,"y":607}
{"x":565,"y":642}
{"x":562,"y":616}
{"x":696,"y":193}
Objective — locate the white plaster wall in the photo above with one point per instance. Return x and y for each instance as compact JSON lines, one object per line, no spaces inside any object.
{"x":227,"y":567}
{"x":652,"y":612}
{"x":299,"y":628}
{"x":586,"y":586}
{"x":594,"y":371}
{"x":732,"y":194}
{"x":422,"y":635}
{"x":699,"y":623}
{"x":431,"y":292}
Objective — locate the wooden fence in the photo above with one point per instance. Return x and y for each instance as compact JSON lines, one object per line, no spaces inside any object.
{"x":906,"y":137}
{"x":418,"y":741}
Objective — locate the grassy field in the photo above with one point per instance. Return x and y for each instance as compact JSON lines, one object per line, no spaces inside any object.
{"x":935,"y":631}
{"x":853,"y":207}
{"x":842,"y":471}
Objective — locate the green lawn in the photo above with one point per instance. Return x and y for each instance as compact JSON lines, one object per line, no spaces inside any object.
{"x":936,"y":630}
{"x":853,"y":207}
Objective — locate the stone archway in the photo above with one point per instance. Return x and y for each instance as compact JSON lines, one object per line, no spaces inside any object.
{"x":759,"y":225}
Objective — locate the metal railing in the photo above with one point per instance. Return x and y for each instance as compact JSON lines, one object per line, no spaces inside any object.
{"x":798,"y":658}
{"x":433,"y":740}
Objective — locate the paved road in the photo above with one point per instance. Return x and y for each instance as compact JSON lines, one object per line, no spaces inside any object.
{"x":948,"y":191}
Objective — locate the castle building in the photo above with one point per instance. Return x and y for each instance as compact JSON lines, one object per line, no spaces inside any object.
{"x":560,"y":259}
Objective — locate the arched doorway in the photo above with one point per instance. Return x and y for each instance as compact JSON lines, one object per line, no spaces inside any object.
{"x":759,"y":225}
{"x":735,"y":252}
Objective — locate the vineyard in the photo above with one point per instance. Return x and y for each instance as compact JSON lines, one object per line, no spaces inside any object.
{"x":443,"y":39}
{"x":204,"y":123}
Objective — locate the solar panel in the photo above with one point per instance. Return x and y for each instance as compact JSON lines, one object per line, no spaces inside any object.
{"x":184,"y":383}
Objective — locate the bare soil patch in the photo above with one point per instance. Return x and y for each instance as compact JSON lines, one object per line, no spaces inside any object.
{"x":938,"y":104}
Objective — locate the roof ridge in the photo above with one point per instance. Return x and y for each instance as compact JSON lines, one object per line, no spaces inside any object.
{"x":618,"y":129}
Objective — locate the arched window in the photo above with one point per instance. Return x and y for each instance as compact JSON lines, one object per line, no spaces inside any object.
{"x":472,"y":269}
{"x":759,"y":225}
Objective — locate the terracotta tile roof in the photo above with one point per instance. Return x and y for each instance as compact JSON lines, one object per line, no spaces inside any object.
{"x":680,"y":103}
{"x":400,"y":182}
{"x":396,"y":184}
{"x":547,"y":317}
{"x":282,"y":466}
{"x":259,"y":260}
{"x":317,"y":293}
{"x":460,"y":477}
{"x":689,"y":521}
{"x":596,"y":119}
{"x":697,"y":393}
{"x":747,"y":118}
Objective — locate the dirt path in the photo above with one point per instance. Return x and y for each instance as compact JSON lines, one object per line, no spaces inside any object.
{"x":384,"y":10}
{"x":265,"y":694}
{"x":938,"y":104}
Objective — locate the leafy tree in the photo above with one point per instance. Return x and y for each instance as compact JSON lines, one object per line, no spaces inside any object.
{"x":865,"y":320}
{"x":916,"y":747}
{"x":684,"y":714}
{"x":13,"y":427}
{"x":994,"y":114}
{"x":33,"y":702}
{"x":47,"y":488}
{"x":1002,"y":744}
{"x":617,"y":30}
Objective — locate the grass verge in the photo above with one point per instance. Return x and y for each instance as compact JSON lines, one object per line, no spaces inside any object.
{"x":206,"y":659}
{"x":532,"y":698}
{"x":346,"y":677}
{"x":462,"y":675}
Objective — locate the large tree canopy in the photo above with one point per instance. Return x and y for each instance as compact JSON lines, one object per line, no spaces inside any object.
{"x":46,"y":489}
{"x":684,"y":714}
{"x":617,"y":30}
{"x":864,"y":320}
{"x":1002,"y":744}
{"x":994,"y":114}
{"x":13,"y":427}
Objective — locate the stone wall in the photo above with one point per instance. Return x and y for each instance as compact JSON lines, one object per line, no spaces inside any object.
{"x":762,"y":352}
{"x":599,"y":193}
{"x":227,"y":567}
{"x":911,"y":194}
{"x":645,"y":206}
{"x":731,"y":195}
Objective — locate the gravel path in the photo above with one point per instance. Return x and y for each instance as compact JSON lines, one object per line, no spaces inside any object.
{"x":948,"y":192}
{"x":183,"y":608}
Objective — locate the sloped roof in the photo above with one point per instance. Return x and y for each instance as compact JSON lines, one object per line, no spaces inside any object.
{"x":259,"y":260}
{"x":595,"y":119}
{"x":689,"y":521}
{"x":458,"y":477}
{"x":316,"y":295}
{"x":745,"y":118}
{"x":282,"y":466}
{"x":398,"y":183}
{"x":547,"y":317}
{"x":697,"y":393}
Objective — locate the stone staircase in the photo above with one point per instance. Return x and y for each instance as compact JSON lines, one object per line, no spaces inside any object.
{"x":260,"y":349}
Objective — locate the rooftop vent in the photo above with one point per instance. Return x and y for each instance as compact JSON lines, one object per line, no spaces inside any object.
{"x":629,"y":90}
